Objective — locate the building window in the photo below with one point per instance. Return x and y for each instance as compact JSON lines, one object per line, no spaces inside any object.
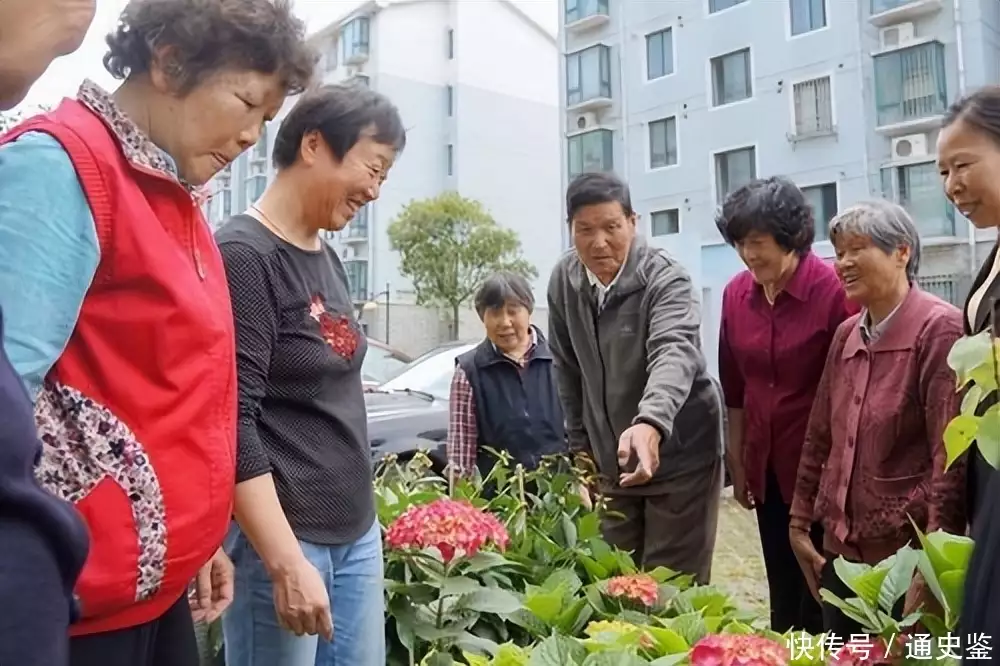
{"x":588,"y":74}
{"x":731,"y":78}
{"x":361,"y":80}
{"x":917,"y":188}
{"x":813,"y":107}
{"x":807,"y":15}
{"x":823,"y":199}
{"x":659,"y":54}
{"x":451,"y":44}
{"x":734,"y":169}
{"x":260,"y":148}
{"x":358,"y":226}
{"x":590,"y":151}
{"x":910,"y":84}
{"x":357,"y":279}
{"x":451,"y":160}
{"x":577,"y":10}
{"x":662,"y":143}
{"x":719,"y":5}
{"x":665,"y":222}
{"x":255,"y":187}
{"x":354,"y":40}
{"x":450,"y":95}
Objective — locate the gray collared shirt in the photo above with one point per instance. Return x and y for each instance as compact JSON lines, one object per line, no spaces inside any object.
{"x":871,"y":333}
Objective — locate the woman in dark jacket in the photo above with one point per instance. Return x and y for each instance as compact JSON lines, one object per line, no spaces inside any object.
{"x":969,"y":162}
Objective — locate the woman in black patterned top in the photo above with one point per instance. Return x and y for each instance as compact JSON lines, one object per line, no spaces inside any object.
{"x":307,"y":547}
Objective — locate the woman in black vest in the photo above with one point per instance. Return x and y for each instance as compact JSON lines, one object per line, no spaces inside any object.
{"x":969,"y":162}
{"x":503,"y":395}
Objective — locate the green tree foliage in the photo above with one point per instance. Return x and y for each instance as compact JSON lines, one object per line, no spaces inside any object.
{"x":448,"y":245}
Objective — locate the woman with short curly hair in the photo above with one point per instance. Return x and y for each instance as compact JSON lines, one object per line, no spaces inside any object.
{"x":778,"y":318}
{"x":118,"y":313}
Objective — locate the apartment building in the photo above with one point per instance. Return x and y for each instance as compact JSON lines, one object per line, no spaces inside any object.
{"x":477,"y":86}
{"x":689,"y":99}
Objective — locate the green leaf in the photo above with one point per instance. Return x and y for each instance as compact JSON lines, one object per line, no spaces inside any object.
{"x":614,"y":658}
{"x":484,"y":560}
{"x":557,"y":651}
{"x":589,"y":526}
{"x":435,"y":658}
{"x":895,"y":585}
{"x":669,"y":660}
{"x":988,"y":436}
{"x":491,"y":600}
{"x":568,"y":530}
{"x":668,"y":641}
{"x":968,"y":353}
{"x":475,"y":659}
{"x":970,"y":401}
{"x":545,"y":604}
{"x":958,"y":436}
{"x":459,"y":585}
{"x":510,"y":655}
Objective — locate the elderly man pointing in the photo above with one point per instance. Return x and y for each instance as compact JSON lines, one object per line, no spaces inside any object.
{"x":624,"y":328}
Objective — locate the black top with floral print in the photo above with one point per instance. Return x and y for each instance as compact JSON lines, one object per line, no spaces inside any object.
{"x":299,"y":355}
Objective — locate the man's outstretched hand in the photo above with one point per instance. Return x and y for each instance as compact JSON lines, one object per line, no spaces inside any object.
{"x":643,"y":442}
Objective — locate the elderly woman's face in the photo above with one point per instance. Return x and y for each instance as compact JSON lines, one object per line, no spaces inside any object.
{"x":217,"y":120}
{"x":865,"y":270}
{"x":33,"y":33}
{"x":344,"y":186}
{"x":969,"y":162}
{"x":508,"y":327}
{"x":764,"y":258}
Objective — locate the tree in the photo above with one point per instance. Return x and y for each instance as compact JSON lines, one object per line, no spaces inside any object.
{"x":448,"y":245}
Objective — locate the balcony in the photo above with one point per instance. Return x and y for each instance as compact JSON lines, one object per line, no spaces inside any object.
{"x":588,"y":79}
{"x":590,"y":151}
{"x":357,"y":228}
{"x":582,"y":15}
{"x":889,"y":12}
{"x":910,"y":88}
{"x":354,"y":41}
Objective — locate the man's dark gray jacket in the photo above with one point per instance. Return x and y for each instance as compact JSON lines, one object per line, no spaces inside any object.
{"x":638,"y":360}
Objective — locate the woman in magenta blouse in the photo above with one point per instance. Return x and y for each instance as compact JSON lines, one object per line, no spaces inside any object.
{"x":778,"y":318}
{"x":874,"y":455}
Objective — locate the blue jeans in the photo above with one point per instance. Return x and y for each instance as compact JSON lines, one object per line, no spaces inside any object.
{"x":354,"y":580}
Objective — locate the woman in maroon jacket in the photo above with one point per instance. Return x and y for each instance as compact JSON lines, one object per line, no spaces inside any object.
{"x":778,"y":317}
{"x":874,"y":455}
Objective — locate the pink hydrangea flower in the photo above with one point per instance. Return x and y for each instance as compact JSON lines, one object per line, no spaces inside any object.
{"x":455,"y":528}
{"x":638,"y":587}
{"x":738,"y":650}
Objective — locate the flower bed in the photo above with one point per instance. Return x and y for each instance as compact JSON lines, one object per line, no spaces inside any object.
{"x":524,"y":579}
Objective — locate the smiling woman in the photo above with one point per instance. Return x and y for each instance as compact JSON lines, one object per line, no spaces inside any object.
{"x":117,"y":307}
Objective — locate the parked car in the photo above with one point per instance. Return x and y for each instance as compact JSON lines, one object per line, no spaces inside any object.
{"x":382,"y":363}
{"x":409,"y":412}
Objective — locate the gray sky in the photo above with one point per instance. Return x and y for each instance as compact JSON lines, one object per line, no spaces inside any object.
{"x":65,"y":74}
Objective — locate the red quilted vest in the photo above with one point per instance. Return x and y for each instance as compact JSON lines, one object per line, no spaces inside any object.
{"x":138,"y":416}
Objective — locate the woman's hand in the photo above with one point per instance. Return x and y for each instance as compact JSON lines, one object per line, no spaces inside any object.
{"x":810,"y":561}
{"x":302,"y":601}
{"x":213,"y":590}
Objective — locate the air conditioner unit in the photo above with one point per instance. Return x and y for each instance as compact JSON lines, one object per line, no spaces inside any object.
{"x":909,"y":146}
{"x":897,"y":35}
{"x":586,"y":121}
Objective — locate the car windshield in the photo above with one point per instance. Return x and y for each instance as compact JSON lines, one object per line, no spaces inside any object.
{"x":430,"y":373}
{"x":381,"y":364}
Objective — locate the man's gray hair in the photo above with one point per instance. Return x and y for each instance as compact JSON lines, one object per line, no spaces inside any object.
{"x":501,"y":288}
{"x":886,"y":224}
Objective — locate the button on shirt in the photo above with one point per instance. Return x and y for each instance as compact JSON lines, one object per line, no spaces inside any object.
{"x":601,"y":290}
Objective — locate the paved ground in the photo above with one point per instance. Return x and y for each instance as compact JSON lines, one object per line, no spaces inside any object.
{"x":738,"y":566}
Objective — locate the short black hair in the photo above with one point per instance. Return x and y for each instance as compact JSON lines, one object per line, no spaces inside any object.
{"x":340,"y":113}
{"x":773,"y":206}
{"x":596,"y":187}
{"x":208,"y":36}
{"x":981,"y":110}
{"x":501,"y":288}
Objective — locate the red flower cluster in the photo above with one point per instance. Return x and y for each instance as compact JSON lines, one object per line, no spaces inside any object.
{"x":337,"y":330}
{"x":738,"y":650}
{"x":455,"y":528}
{"x":870,"y":652}
{"x":637,"y":587}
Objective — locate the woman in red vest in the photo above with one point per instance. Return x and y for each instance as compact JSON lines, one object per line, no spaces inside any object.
{"x":117,"y":312}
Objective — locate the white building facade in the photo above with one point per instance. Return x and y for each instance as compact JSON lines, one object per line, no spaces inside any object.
{"x":477,"y":86}
{"x":689,"y":99}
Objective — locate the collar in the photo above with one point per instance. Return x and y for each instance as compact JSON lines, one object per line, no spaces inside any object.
{"x":138,"y":148}
{"x":871,"y":333}
{"x":901,"y":336}
{"x":798,"y":285}
{"x":596,"y":281}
